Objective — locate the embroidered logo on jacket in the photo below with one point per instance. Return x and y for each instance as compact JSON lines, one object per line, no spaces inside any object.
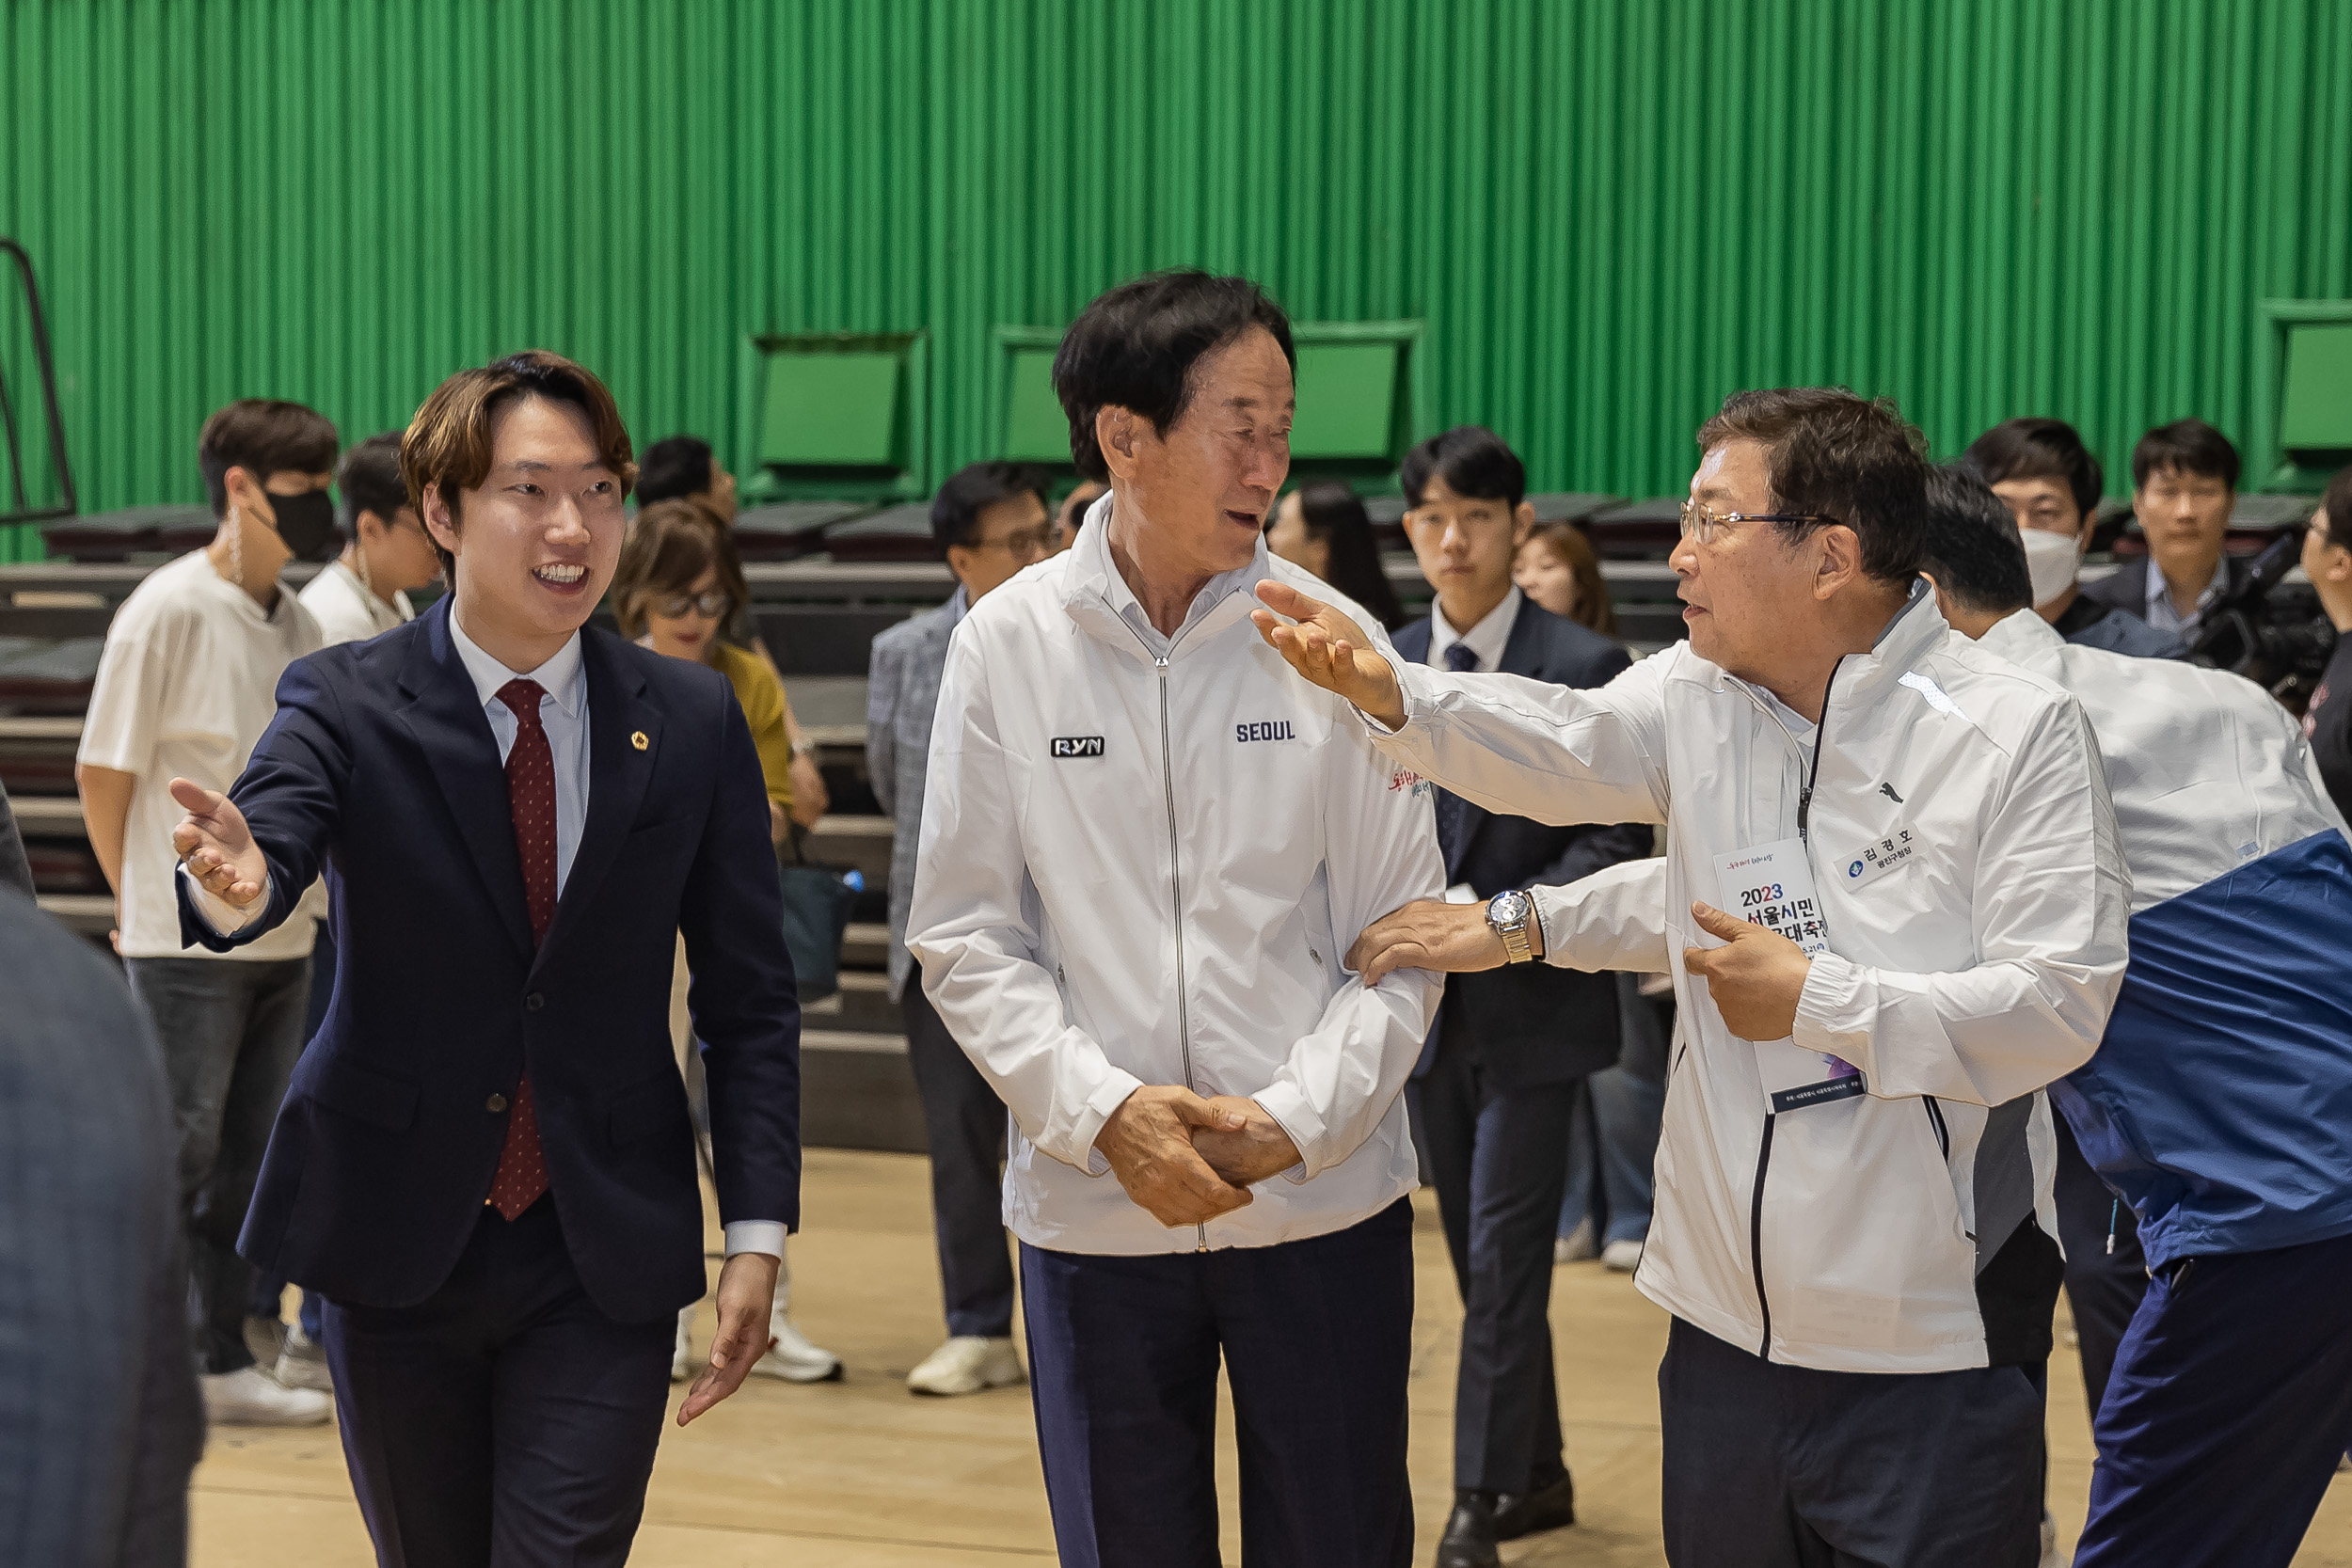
{"x":1272,"y":730}
{"x":1077,"y":745}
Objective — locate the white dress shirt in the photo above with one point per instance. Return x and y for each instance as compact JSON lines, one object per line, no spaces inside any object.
{"x":2161,"y":614}
{"x":563,"y":714}
{"x":1486,"y":639}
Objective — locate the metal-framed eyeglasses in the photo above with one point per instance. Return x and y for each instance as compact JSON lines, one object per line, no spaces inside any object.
{"x":1704,"y":523}
{"x":712,"y":606}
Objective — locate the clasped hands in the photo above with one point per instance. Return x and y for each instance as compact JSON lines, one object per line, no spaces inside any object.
{"x":1184,"y":1158}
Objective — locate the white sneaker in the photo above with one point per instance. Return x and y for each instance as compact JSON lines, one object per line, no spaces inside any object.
{"x":1576,"y":1246}
{"x":2050,"y":1558}
{"x":303,"y":1362}
{"x":794,"y":1359}
{"x":1621,"y":1256}
{"x":249,"y":1396}
{"x":965,"y":1365}
{"x":682,"y":1367}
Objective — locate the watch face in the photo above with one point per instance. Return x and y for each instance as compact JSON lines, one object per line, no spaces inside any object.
{"x":1507,"y":909}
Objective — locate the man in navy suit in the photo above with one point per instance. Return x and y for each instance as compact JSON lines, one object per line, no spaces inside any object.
{"x":485,"y":1161}
{"x":1495,"y":1090}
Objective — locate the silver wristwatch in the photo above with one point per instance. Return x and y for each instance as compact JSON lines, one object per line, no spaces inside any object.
{"x":1512,"y":915}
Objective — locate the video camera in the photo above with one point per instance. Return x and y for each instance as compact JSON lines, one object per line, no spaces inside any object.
{"x":2271,"y":631}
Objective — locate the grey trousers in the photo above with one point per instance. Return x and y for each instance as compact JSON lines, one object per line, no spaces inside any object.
{"x":231,"y":1031}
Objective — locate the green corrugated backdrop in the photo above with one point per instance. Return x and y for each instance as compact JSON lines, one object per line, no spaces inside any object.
{"x":1609,"y":214}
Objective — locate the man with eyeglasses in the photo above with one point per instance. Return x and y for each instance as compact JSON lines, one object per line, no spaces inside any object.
{"x":989,"y":521}
{"x":1906,"y":907}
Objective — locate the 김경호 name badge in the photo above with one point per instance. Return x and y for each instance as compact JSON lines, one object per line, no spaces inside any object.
{"x":1772,"y":885}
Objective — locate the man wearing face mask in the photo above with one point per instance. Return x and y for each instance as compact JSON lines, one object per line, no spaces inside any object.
{"x":2050,"y":482}
{"x":185,"y":688}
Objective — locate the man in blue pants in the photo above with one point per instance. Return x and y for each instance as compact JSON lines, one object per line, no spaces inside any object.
{"x":2219,"y":1102}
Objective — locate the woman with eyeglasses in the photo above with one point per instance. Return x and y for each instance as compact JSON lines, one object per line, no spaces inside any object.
{"x":679,"y":585}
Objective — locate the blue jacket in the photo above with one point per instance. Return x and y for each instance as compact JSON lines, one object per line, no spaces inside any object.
{"x":1534,"y":1023}
{"x":381,"y":768}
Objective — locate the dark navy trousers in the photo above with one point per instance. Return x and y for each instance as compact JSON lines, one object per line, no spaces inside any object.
{"x":2104,"y":1281}
{"x":505,"y":1418}
{"x":1316,"y":1340}
{"x":2230,"y":1406}
{"x":965,"y":1125}
{"x":1770,"y":1466}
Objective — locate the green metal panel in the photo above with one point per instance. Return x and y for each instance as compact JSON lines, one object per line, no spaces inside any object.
{"x":1607,"y":213}
{"x":2315,"y":406}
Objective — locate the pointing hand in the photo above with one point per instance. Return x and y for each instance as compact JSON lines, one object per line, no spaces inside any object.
{"x":1754,"y":979}
{"x":1328,"y":649}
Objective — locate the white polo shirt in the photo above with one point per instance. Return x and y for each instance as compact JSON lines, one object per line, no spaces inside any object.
{"x":186,"y":684}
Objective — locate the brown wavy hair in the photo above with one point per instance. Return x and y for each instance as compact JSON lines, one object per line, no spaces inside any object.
{"x":447,"y":447}
{"x":1568,"y":547}
{"x":669,"y":545}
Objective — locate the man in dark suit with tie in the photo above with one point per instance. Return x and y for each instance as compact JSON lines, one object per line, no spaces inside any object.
{"x":1496,"y":1087}
{"x":485,"y":1161}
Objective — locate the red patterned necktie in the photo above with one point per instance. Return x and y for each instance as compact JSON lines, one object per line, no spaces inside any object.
{"x":522,"y":1173}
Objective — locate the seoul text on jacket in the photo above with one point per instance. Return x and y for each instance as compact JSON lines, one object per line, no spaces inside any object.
{"x":1146,"y":868}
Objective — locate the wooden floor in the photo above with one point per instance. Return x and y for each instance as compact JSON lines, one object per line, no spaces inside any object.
{"x":861,"y":1474}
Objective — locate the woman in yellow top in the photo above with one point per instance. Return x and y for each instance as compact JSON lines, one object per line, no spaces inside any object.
{"x":678,"y":583}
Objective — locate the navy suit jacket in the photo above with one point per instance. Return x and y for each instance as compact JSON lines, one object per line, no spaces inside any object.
{"x":1533,"y":1023}
{"x":381,"y":766}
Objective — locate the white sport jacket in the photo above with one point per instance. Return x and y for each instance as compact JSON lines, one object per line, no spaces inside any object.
{"x":1141,"y":862}
{"x":1953,"y":822}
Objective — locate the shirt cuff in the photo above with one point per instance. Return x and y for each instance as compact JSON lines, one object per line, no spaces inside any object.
{"x":1832,"y":986}
{"x":225,"y":918}
{"x":765,"y":1237}
{"x":1295,"y":1117}
{"x":1107,"y":1097}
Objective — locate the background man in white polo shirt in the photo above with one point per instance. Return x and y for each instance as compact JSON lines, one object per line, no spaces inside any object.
{"x":185,"y":688}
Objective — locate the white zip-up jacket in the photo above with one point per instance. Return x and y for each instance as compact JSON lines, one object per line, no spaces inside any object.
{"x":1966,"y":876}
{"x":1141,"y":862}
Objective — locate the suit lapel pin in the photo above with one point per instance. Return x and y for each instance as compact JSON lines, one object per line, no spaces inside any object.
{"x":639,"y":740}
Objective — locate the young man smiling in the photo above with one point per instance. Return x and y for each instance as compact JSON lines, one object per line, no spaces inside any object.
{"x":1144,"y":848}
{"x":1853,"y":1203}
{"x":485,"y":1161}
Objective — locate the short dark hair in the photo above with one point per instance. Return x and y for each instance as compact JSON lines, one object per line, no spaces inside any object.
{"x":1973,"y":550}
{"x":1135,"y":347}
{"x":1836,"y":455}
{"x":2039,"y":449}
{"x":676,"y":467}
{"x":956,"y":510}
{"x":1473,"y":461}
{"x":2336,"y":500}
{"x":2184,"y":445}
{"x":1336,"y":516}
{"x":447,"y":446}
{"x":368,"y":480}
{"x":263,"y":437}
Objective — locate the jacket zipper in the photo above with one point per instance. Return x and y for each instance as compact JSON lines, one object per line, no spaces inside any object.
{"x":1764,"y":1147}
{"x":1176,"y":903}
{"x":1936,"y":1119}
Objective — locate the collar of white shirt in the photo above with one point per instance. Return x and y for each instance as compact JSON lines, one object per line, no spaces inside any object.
{"x":2161,"y":591}
{"x":1486,"y":639}
{"x":561,"y":678}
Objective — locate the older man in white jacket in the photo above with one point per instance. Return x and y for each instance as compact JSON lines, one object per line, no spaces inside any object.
{"x":1145,"y":849}
{"x":1853,"y":1221}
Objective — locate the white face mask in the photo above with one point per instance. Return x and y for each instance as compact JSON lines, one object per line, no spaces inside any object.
{"x":2052,"y":559}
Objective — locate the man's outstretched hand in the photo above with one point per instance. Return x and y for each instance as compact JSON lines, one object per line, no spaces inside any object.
{"x":747,"y":1292}
{"x":214,"y":842}
{"x":1148,"y":1141}
{"x":1328,"y":649}
{"x":1754,"y":979}
{"x":1252,"y":1153}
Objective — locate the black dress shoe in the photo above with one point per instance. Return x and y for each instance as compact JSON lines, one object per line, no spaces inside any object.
{"x":1468,"y":1540}
{"x":1548,"y":1507}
